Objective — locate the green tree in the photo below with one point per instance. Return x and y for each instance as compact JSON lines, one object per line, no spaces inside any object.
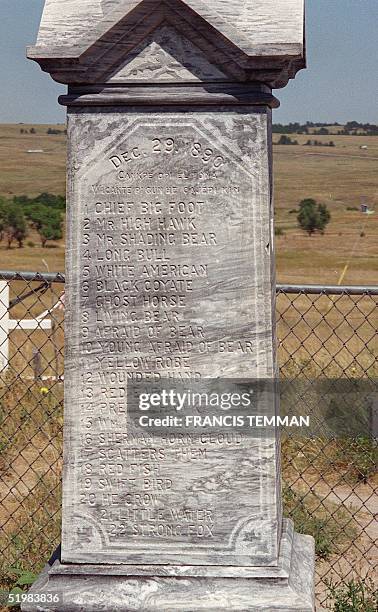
{"x":51,"y":230}
{"x":22,"y":200}
{"x":51,"y":200}
{"x":313,"y":217}
{"x":14,"y":224}
{"x":286,"y":140}
{"x":46,"y":221}
{"x":3,"y":206}
{"x":36,"y":214}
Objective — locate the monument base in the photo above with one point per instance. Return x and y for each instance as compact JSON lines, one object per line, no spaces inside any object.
{"x":120,"y":588}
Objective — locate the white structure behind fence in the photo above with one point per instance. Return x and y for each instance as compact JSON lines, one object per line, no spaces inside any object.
{"x":7,"y":324}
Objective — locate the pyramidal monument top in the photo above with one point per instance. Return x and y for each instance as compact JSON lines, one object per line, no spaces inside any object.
{"x":249,"y":40}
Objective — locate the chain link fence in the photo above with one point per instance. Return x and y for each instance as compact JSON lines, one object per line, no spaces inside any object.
{"x":329,"y":484}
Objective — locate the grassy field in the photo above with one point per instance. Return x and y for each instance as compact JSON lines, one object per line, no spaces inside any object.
{"x":342,"y":176}
{"x":30,"y":174}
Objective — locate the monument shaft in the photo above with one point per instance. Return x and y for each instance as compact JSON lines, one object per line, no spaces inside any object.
{"x":169,"y":278}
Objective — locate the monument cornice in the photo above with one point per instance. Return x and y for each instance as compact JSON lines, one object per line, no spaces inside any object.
{"x":228,"y":94}
{"x":243,"y":56}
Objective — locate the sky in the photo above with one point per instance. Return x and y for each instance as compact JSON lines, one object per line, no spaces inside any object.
{"x":340,"y":83}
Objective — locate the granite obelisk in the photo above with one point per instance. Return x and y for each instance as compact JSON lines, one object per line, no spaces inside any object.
{"x":170,"y":277}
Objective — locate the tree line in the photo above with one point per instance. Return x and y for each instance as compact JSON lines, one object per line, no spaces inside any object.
{"x":323,"y":129}
{"x":21,"y":213}
{"x":315,"y":129}
{"x":53,"y":131}
{"x":287,"y":140}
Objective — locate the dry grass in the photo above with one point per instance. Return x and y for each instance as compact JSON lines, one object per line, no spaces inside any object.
{"x":340,"y":177}
{"x":30,"y":174}
{"x":24,"y":173}
{"x":33,"y":258}
{"x":327,"y":336}
{"x":30,"y":467}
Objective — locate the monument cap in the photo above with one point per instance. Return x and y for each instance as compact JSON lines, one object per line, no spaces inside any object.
{"x":246,"y":40}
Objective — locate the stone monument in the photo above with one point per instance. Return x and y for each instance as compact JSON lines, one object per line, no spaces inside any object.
{"x":170,"y":277}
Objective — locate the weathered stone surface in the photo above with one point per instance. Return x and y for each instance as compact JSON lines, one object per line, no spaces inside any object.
{"x":204,"y":94}
{"x":169,"y":276}
{"x":84,"y":42}
{"x":166,"y":56}
{"x":264,"y":22}
{"x":121,"y":589}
